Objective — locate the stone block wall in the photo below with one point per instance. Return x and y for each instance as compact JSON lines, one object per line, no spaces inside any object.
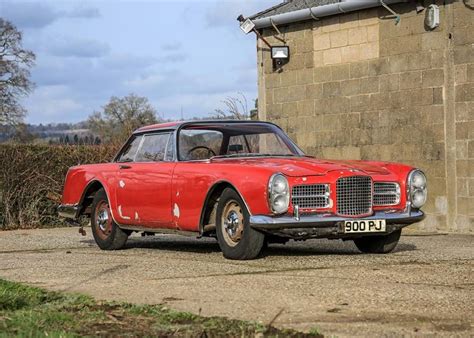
{"x":357,"y":86}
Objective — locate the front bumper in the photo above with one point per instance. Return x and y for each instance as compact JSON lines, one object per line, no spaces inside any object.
{"x":328,"y":226}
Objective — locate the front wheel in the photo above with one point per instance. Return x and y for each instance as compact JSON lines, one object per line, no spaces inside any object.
{"x":379,"y":243}
{"x":107,"y":234}
{"x":236,"y":238}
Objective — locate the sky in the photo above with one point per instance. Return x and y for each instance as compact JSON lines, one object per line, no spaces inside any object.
{"x":186,"y":57}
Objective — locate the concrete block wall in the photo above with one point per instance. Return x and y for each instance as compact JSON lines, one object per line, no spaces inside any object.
{"x":360,"y":87}
{"x":462,"y":55}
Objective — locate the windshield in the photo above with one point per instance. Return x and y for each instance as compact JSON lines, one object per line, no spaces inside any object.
{"x":205,"y":141}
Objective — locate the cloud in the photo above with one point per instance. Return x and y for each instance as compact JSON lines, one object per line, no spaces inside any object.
{"x":128,"y":61}
{"x":194,"y":104}
{"x":37,"y":15}
{"x":79,"y":67}
{"x":78,"y":47}
{"x":93,"y":78}
{"x":83,"y":13}
{"x":173,"y":58}
{"x":28,"y":14}
{"x":53,"y":103}
{"x":172,"y":46}
{"x":144,"y":81}
{"x":162,"y":84}
{"x":69,"y":89}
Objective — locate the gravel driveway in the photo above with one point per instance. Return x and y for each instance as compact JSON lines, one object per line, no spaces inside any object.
{"x":426,"y":287}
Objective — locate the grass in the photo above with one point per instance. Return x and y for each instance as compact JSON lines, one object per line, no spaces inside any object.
{"x":31,"y":312}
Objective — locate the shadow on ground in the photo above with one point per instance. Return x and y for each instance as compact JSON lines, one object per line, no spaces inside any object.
{"x":208,"y":245}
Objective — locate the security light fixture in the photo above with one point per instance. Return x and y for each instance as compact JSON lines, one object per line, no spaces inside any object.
{"x":280,"y":52}
{"x":432,"y":17}
{"x":247,"y":26}
{"x":280,"y":55}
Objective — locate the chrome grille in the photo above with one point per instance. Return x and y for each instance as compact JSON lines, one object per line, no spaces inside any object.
{"x":386,"y":193}
{"x":354,"y":195}
{"x":310,"y":196}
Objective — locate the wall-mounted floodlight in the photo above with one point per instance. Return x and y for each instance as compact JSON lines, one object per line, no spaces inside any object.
{"x":247,"y":26}
{"x":432,"y":17}
{"x":280,"y":55}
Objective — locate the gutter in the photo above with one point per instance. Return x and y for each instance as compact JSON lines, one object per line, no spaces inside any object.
{"x":344,"y":6}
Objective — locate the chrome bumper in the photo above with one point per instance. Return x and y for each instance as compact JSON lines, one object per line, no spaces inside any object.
{"x":329,"y":221}
{"x":68,"y":211}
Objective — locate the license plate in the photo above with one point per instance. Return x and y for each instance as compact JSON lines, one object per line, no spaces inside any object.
{"x":361,"y":225}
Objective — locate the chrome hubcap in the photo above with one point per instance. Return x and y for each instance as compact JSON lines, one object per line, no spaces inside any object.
{"x":103,"y":219}
{"x":232,"y":223}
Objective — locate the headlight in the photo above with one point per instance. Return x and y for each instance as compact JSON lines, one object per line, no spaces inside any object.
{"x":418,"y":192}
{"x":278,"y":194}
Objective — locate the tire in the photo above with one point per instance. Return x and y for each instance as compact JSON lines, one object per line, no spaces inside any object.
{"x":378,"y":244}
{"x":236,"y":238}
{"x":107,"y":234}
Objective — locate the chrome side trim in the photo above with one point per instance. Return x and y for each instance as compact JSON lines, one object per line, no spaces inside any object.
{"x":165,"y":231}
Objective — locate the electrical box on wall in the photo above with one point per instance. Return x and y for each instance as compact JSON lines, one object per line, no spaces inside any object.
{"x":432,"y":16}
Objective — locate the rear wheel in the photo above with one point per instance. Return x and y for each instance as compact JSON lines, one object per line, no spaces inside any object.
{"x":107,"y":234}
{"x":378,"y":244}
{"x":236,"y":238}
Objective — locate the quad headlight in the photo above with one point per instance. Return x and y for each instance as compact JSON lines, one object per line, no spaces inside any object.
{"x":278,"y":194}
{"x":418,"y":192}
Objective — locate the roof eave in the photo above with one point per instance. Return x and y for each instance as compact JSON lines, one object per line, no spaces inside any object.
{"x":319,"y":12}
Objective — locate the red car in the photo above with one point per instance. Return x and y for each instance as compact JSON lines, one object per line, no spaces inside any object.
{"x":244,"y":182}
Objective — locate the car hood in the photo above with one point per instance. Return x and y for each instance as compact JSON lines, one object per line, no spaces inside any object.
{"x":307,"y":166}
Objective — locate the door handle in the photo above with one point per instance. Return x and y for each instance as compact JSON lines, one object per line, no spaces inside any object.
{"x":125,"y":166}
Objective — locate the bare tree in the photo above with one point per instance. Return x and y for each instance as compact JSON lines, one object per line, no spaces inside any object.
{"x":236,"y":108}
{"x":121,"y":116}
{"x":15,"y":64}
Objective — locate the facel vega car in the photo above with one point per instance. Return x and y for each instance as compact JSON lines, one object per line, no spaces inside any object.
{"x":245,"y":183}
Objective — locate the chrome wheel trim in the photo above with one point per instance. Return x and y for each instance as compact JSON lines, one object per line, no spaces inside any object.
{"x":103,"y":219}
{"x":232,"y":222}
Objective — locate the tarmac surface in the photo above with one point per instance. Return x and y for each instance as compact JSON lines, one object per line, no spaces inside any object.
{"x":424,"y":288}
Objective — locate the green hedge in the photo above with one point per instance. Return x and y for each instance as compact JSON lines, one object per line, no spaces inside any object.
{"x":32,"y":177}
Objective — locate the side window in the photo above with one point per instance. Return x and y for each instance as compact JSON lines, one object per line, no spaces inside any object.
{"x":267,"y":143}
{"x":128,"y":153}
{"x":199,"y":144}
{"x":153,"y":148}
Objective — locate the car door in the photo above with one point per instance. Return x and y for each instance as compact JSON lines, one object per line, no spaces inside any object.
{"x":144,"y":181}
